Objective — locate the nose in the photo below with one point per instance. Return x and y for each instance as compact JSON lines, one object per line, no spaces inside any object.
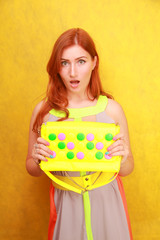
{"x":73,"y":70}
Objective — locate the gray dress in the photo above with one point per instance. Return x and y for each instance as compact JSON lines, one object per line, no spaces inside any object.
{"x":109,"y":216}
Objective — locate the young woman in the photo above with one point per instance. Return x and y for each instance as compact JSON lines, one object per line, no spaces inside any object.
{"x":74,"y":83}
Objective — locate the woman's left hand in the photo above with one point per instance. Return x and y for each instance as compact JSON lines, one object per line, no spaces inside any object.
{"x":119,"y":148}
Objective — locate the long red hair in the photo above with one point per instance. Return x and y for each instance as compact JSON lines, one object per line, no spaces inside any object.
{"x":56,"y":95}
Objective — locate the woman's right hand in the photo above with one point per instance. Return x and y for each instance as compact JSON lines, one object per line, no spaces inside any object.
{"x":40,"y":151}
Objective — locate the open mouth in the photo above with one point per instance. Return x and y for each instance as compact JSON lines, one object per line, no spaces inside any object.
{"x":74,"y":83}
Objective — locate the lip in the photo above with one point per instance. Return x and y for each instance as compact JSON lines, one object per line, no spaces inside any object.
{"x":74,"y":83}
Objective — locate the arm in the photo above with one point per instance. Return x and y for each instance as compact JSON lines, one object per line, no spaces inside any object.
{"x":36,"y":154}
{"x":122,"y":144}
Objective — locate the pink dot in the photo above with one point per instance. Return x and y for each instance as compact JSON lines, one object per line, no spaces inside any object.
{"x":80,"y":155}
{"x":54,"y":154}
{"x":70,"y":145}
{"x":90,"y":137}
{"x":99,"y":145}
{"x":107,"y":157}
{"x":61,"y":136}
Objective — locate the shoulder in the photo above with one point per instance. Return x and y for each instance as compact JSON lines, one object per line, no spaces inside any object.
{"x":37,"y":109}
{"x":115,"y":110}
{"x":114,"y":106}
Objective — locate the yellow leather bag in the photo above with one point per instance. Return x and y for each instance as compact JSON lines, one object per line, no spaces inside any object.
{"x":80,"y":146}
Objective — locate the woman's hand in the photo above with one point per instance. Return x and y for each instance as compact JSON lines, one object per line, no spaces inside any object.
{"x":119,"y":148}
{"x":40,"y":151}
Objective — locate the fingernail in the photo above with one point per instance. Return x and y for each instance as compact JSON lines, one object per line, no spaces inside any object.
{"x":48,"y":143}
{"x":46,"y":160}
{"x":51,"y":152}
{"x":51,"y":156}
{"x":110,"y":155}
{"x":114,"y":138}
{"x":106,"y":153}
{"x":108,"y":148}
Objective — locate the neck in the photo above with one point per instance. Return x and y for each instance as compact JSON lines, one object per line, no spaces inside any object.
{"x":78,"y":97}
{"x":80,"y":100}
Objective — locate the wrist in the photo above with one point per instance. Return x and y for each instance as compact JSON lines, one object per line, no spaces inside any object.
{"x":33,"y":167}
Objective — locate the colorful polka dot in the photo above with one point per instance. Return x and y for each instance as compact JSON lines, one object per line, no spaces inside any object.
{"x":70,"y":155}
{"x":80,"y":136}
{"x":52,"y":136}
{"x":61,"y":136}
{"x":99,"y":145}
{"x":70,"y":145}
{"x":109,"y":137}
{"x":90,"y":137}
{"x":90,"y":146}
{"x":80,"y":155}
{"x":99,"y":155}
{"x":107,"y":157}
{"x":54,"y":154}
{"x":61,"y":145}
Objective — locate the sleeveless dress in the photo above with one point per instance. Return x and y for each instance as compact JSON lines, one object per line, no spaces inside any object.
{"x":109,"y":216}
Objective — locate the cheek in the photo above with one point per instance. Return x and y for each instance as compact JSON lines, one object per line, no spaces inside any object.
{"x":62,"y":73}
{"x":87,"y":72}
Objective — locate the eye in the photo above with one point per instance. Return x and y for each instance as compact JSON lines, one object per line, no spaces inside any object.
{"x":64,"y":63}
{"x":81,"y":61}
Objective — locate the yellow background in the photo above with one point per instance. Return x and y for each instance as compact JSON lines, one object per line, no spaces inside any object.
{"x":127,"y":36}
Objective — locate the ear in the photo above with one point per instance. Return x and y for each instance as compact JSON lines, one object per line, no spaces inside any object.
{"x":94,"y":62}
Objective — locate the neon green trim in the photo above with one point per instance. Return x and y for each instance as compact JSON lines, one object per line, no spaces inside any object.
{"x":82,"y":174}
{"x":82,"y":112}
{"x":78,"y":119}
{"x":87,"y":213}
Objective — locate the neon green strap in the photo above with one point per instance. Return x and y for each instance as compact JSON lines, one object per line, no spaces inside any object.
{"x":87,"y":211}
{"x":82,"y":112}
{"x":86,"y":201}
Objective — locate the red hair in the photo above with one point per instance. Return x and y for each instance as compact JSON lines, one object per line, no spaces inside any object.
{"x":56,"y":95}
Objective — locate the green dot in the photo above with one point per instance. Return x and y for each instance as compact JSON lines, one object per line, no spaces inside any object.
{"x":80,"y":136}
{"x":52,"y":136}
{"x":99,"y":155}
{"x":70,"y":155}
{"x":90,"y":145}
{"x":61,"y":145}
{"x":108,"y":137}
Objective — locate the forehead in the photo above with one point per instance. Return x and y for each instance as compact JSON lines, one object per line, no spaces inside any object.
{"x":74,"y":52}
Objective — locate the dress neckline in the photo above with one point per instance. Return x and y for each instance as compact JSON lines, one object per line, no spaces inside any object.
{"x":85,"y":111}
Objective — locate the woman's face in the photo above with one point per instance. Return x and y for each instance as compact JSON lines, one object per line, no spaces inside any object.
{"x":76,"y":68}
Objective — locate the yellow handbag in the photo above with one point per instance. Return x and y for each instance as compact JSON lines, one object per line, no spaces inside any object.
{"x":80,"y":146}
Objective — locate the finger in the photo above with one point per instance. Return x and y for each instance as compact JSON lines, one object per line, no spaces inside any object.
{"x":42,"y":141}
{"x":44,"y":148}
{"x":119,"y":153}
{"x":44,"y":153}
{"x":115,"y":144}
{"x":116,"y":149}
{"x":40,"y":157}
{"x":41,"y":144}
{"x":118,"y":136}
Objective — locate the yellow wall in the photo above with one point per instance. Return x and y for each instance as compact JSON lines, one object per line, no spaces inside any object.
{"x":127,"y":36}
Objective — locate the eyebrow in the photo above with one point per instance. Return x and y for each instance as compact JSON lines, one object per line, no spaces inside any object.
{"x":75,"y":59}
